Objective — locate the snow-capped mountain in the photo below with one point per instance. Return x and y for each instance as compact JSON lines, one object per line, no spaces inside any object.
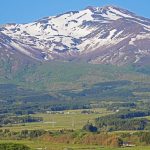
{"x":96,"y":35}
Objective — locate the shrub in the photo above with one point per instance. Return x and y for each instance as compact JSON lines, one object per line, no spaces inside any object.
{"x":90,"y":128}
{"x":12,"y":146}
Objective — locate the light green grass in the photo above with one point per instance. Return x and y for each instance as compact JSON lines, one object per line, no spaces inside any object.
{"x":72,"y":119}
{"x":34,"y":144}
{"x":64,"y":121}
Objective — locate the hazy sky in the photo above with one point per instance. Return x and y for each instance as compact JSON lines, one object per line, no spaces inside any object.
{"x":23,"y":11}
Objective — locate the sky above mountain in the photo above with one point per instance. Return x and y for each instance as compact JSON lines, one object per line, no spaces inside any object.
{"x":23,"y":11}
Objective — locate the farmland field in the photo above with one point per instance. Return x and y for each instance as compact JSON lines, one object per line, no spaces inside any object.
{"x":36,"y":144}
{"x":71,"y":119}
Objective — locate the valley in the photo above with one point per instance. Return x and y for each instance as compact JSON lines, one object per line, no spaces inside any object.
{"x":70,"y":98}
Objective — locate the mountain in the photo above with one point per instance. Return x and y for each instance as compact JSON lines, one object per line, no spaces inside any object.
{"x":107,"y":35}
{"x":35,"y":74}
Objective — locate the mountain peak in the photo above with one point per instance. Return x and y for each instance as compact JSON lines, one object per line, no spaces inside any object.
{"x":112,"y":11}
{"x":106,"y":34}
{"x":108,"y":7}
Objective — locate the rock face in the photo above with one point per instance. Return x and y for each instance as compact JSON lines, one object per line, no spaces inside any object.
{"x":108,"y":35}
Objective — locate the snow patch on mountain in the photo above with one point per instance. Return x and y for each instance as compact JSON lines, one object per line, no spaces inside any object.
{"x":99,"y":34}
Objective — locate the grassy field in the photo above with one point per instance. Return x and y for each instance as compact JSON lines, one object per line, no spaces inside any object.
{"x":37,"y":144}
{"x":71,"y":119}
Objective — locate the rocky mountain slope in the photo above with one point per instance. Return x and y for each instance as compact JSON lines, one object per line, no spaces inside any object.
{"x":108,"y":35}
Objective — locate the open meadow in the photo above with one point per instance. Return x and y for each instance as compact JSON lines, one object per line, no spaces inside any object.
{"x":40,"y":145}
{"x":70,"y":119}
{"x":64,"y":120}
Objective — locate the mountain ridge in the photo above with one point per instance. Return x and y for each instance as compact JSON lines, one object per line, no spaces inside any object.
{"x":98,"y":35}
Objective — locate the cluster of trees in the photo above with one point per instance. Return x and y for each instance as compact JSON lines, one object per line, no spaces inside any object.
{"x":31,"y":133}
{"x":77,"y":137}
{"x":132,"y":114}
{"x":69,"y":106}
{"x":123,"y":121}
{"x":119,"y":105}
{"x":115,"y":124}
{"x":6,"y":119}
{"x":145,"y":137}
{"x":63,"y":136}
{"x":90,"y":127}
{"x":6,"y":133}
